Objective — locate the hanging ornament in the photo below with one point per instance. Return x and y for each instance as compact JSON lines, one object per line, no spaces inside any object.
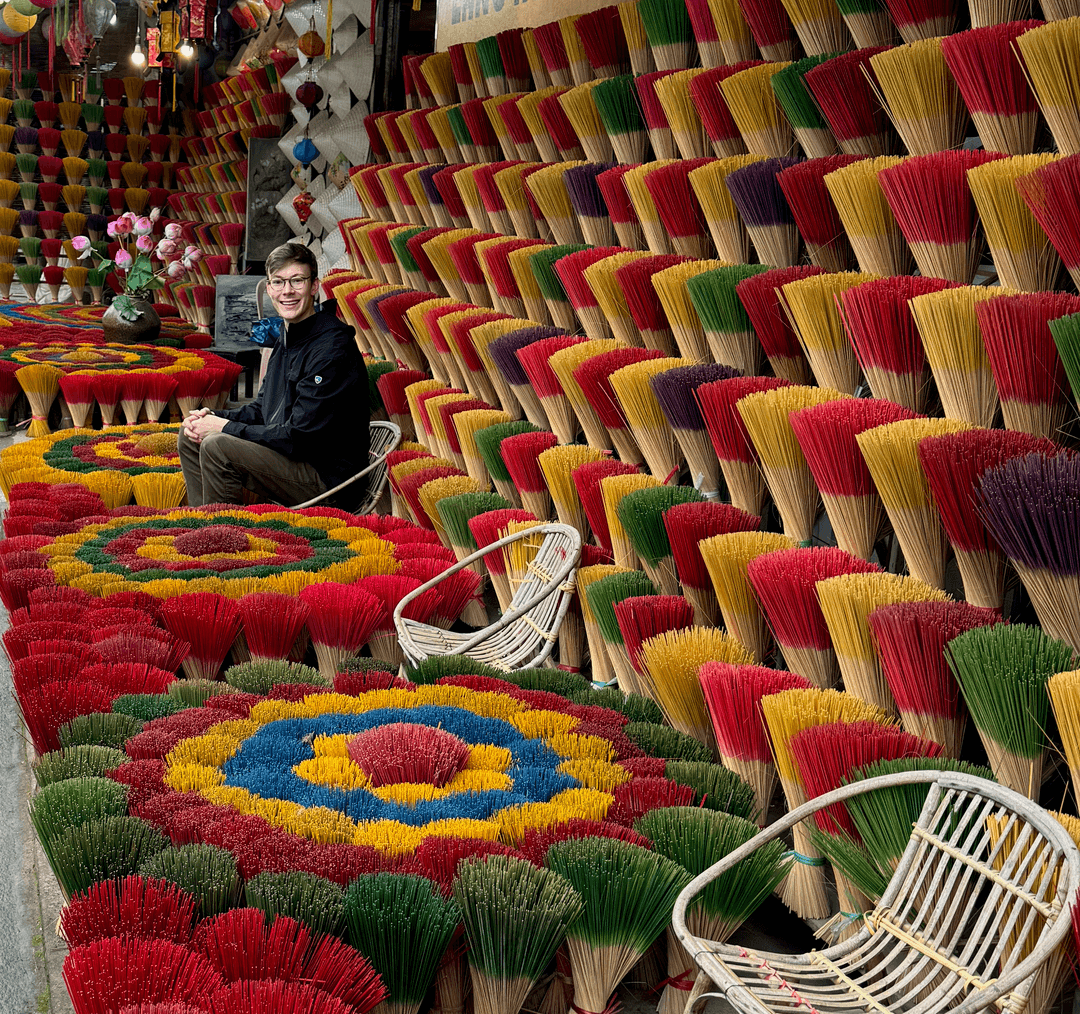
{"x":96,"y":16}
{"x":311,"y":44}
{"x":338,"y":172}
{"x":301,"y":176}
{"x":25,"y":7}
{"x":302,"y":203}
{"x":309,"y":94}
{"x":304,"y":151}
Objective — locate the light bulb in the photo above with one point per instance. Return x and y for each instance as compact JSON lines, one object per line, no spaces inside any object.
{"x":186,"y":50}
{"x":138,"y":57}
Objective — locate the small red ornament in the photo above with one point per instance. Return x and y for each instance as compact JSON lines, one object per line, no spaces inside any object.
{"x":309,"y":94}
{"x":302,"y":203}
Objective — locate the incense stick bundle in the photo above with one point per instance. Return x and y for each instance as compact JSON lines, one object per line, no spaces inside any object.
{"x":603,"y":596}
{"x":671,"y":662}
{"x":784,"y":583}
{"x":1066,"y":332}
{"x":870,"y":225}
{"x":503,"y":353}
{"x":786,"y":714}
{"x":1061,"y":688}
{"x":493,"y":257}
{"x":731,"y":441}
{"x":687,"y":129}
{"x":878,"y":320}
{"x":594,"y":377}
{"x":548,"y":190}
{"x":604,"y":41}
{"x":891,"y":453}
{"x":670,"y":34}
{"x":679,"y":215}
{"x":764,"y":210}
{"x":646,"y":310}
{"x":765,"y":415}
{"x":811,"y":129}
{"x":1029,"y":374}
{"x":720,"y":129}
{"x":953,"y":465}
{"x":911,"y":639}
{"x":846,"y":603}
{"x":954,"y":348}
{"x":687,"y":526}
{"x":620,"y":207}
{"x":466,"y":424}
{"x":620,"y":113}
{"x":826,"y":434}
{"x":727,"y":558}
{"x":1044,"y":51}
{"x":534,"y":360}
{"x":542,"y":265}
{"x":733,"y":694}
{"x":931,"y":201}
{"x":663,"y":144}
{"x":580,"y":68}
{"x":520,"y":454}
{"x":869,"y":23}
{"x":582,"y":113}
{"x":546,"y":142}
{"x":733,"y":33}
{"x":600,"y":277}
{"x":549,"y":40}
{"x":603,"y":672}
{"x":752,"y":103}
{"x":468,"y":339}
{"x":992,"y":82}
{"x":637,"y":41}
{"x":558,"y":464}
{"x":728,"y":328}
{"x":532,"y":295}
{"x":1023,"y":256}
{"x":815,"y":214}
{"x":1003,"y":671}
{"x":643,"y":413}
{"x":722,"y":217}
{"x":921,"y":97}
{"x":671,"y":287}
{"x":643,"y":616}
{"x":819,"y":26}
{"x":641,"y":514}
{"x":1049,"y":193}
{"x":563,"y":363}
{"x":760,"y":296}
{"x":525,"y":217}
{"x":1021,"y":500}
{"x":588,"y":202}
{"x":488,"y":441}
{"x":845,"y":91}
{"x":771,"y":28}
{"x":613,"y":488}
{"x":811,"y":305}
{"x":587,"y":478}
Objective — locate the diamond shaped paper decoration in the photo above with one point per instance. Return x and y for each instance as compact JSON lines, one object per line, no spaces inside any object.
{"x":357,"y":66}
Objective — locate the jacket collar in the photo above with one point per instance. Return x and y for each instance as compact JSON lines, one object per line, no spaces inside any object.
{"x":301,"y":332}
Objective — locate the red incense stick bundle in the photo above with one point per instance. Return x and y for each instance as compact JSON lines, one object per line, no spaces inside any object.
{"x":620,"y":207}
{"x":759,"y":297}
{"x":571,"y":272}
{"x":784,"y":583}
{"x":643,"y":302}
{"x":587,"y":479}
{"x":656,"y":120}
{"x":814,"y":212}
{"x":712,"y":108}
{"x":844,"y":89}
{"x":771,"y":27}
{"x":678,"y":207}
{"x":557,"y":407}
{"x":520,"y":454}
{"x":1050,"y":192}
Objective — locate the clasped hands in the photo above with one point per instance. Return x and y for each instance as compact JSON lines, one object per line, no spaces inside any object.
{"x":201,"y":423}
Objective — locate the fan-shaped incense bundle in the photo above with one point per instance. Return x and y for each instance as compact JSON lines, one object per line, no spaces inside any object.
{"x":869,"y":23}
{"x":753,"y":106}
{"x":640,"y":513}
{"x":1020,"y":501}
{"x":811,"y":305}
{"x":571,"y":272}
{"x":733,"y":694}
{"x":765,"y":415}
{"x":870,"y":225}
{"x":594,"y":377}
{"x":671,"y":662}
{"x":1029,"y":374}
{"x":671,"y":287}
{"x":1049,"y":193}
{"x":587,"y":478}
{"x":588,"y":202}
{"x":1061,"y":688}
{"x":722,"y":217}
{"x":844,"y":89}
{"x":764,"y":210}
{"x":563,"y":363}
{"x":488,"y":442}
{"x":603,"y":595}
{"x":643,"y":413}
{"x":815,"y":215}
{"x":674,"y":390}
{"x":1023,"y":256}
{"x":556,"y":406}
{"x":582,"y":113}
{"x":931,"y":201}
{"x":687,"y":129}
{"x":954,"y":348}
{"x":620,"y":113}
{"x":549,"y":192}
{"x":613,"y":487}
{"x":728,"y":329}
{"x":727,"y":557}
{"x":648,"y":216}
{"x":760,"y":296}
{"x":911,"y":639}
{"x":1066,"y":332}
{"x":811,"y":129}
{"x":634,"y":278}
{"x":603,"y":671}
{"x":1044,"y":51}
{"x":846,"y":602}
{"x":601,"y":279}
{"x":784,"y":583}
{"x":786,"y":714}
{"x":712,"y":109}
{"x":891,"y":454}
{"x":520,"y":455}
{"x":921,"y":96}
{"x":827,"y":435}
{"x":1003,"y":671}
{"x":679,"y":214}
{"x":557,"y":465}
{"x":669,"y":31}
{"x":883,"y":332}
{"x":503,"y":354}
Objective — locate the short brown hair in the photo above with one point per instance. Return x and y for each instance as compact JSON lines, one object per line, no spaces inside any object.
{"x":291,"y":253}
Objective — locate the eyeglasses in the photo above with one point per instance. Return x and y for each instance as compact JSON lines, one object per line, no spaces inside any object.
{"x":279,"y":284}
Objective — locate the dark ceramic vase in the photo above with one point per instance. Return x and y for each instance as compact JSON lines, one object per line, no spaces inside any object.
{"x":143,"y":330}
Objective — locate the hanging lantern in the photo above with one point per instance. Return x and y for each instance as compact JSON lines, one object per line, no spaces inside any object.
{"x":96,"y":16}
{"x":311,"y":45}
{"x":309,"y":94}
{"x":304,"y":151}
{"x":25,"y":7}
{"x":302,"y":203}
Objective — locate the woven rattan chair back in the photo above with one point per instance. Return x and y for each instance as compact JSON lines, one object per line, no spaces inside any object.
{"x":976,"y":916}
{"x":525,"y":634}
{"x":369,"y":482}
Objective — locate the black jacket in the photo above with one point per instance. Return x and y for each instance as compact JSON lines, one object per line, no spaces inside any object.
{"x":313,"y":403}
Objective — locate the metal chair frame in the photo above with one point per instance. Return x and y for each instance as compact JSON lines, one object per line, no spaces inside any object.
{"x":951,"y":929}
{"x":524,"y":636}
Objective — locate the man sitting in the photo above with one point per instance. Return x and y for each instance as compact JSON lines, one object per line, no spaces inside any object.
{"x":307,"y":431}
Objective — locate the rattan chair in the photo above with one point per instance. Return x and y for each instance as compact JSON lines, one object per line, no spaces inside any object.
{"x":525,"y":634}
{"x":970,"y":920}
{"x":384,"y":438}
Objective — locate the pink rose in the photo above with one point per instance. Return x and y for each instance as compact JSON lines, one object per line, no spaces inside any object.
{"x":175,"y":270}
{"x":193,"y":254}
{"x":123,"y":226}
{"x":123,"y":259}
{"x":173,"y":231}
{"x":111,"y":229}
{"x":143,"y":227}
{"x":144,"y":244}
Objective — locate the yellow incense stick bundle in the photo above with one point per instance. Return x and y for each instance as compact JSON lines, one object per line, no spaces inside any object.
{"x":558,"y":464}
{"x":650,"y":427}
{"x":757,"y":113}
{"x":611,"y":298}
{"x":670,"y":285}
{"x":726,"y":227}
{"x":612,"y":490}
{"x":1050,"y":55}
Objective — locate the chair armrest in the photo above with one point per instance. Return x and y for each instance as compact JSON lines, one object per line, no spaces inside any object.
{"x":379,"y":459}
